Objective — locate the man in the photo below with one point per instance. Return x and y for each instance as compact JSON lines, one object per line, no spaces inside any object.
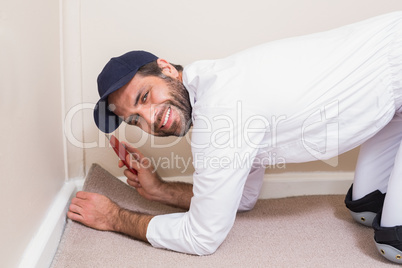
{"x":299,"y":99}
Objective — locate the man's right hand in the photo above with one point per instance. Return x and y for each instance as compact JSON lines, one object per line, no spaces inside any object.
{"x":150,"y":185}
{"x":147,"y":182}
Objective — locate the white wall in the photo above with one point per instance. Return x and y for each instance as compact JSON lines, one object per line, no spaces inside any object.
{"x":31,"y":90}
{"x":184,"y":31}
{"x":31,"y":140}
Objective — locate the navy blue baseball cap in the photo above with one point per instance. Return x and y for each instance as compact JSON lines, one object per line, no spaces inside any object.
{"x":117,"y":73}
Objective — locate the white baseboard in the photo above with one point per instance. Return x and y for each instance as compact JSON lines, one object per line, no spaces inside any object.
{"x":43,"y":246}
{"x":298,"y":183}
{"x":306,"y":183}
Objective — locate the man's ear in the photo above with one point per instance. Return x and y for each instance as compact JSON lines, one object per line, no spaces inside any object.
{"x":167,"y":68}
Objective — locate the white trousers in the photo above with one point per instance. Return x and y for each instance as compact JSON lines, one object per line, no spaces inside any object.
{"x":379,"y":167}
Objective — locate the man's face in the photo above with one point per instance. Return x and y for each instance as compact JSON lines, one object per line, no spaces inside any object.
{"x":158,"y":106}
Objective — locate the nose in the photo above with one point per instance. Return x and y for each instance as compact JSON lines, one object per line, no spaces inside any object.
{"x":148,"y":113}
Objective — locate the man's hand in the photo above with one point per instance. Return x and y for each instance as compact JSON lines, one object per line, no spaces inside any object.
{"x":94,"y":210}
{"x":99,"y":212}
{"x":150,"y":185}
{"x":147,"y":182}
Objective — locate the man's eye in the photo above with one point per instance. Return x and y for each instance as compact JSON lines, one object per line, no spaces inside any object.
{"x":144,"y":98}
{"x":133,"y":119}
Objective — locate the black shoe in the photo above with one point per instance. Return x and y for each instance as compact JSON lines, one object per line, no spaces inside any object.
{"x":366,"y":208}
{"x":388,"y":240}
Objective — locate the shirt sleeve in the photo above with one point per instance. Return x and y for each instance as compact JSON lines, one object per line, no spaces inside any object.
{"x":223,"y":154}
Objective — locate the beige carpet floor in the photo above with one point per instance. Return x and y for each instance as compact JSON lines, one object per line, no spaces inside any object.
{"x":309,"y":231}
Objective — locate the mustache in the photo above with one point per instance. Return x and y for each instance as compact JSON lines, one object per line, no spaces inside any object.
{"x":180,"y":104}
{"x":159,"y":116}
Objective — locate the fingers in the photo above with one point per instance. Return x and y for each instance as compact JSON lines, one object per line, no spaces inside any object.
{"x":134,"y":161}
{"x":78,"y":202}
{"x":133,"y":158}
{"x":74,"y":216}
{"x":132,"y":179}
{"x":82,"y":195}
{"x":75,"y":213}
{"x":121,"y":164}
{"x":134,"y":184}
{"x":138,"y":161}
{"x":132,"y":149}
{"x":75,"y":208}
{"x":86,"y":196}
{"x":93,"y":210}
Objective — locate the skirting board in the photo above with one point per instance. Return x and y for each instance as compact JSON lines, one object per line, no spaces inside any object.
{"x":298,"y":183}
{"x":43,"y":246}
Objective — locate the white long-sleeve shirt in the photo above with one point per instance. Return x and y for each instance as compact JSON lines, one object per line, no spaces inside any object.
{"x":294,"y":100}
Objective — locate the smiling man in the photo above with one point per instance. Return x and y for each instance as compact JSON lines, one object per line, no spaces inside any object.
{"x":158,"y":104}
{"x":300,"y":99}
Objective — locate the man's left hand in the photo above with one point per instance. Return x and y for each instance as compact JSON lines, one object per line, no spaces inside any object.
{"x":94,"y":210}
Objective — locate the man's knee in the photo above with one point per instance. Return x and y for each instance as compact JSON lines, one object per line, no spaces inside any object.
{"x":366,"y":208}
{"x":388,"y":240}
{"x":247,"y":204}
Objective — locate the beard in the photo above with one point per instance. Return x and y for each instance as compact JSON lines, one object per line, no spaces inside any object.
{"x":179,"y":103}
